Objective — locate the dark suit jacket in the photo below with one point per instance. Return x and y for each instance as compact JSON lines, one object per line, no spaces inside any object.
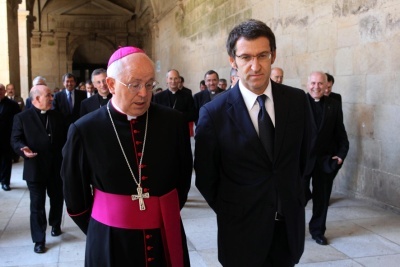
{"x":187,"y":90}
{"x":91,"y":104}
{"x":184,"y":103}
{"x":241,"y":184}
{"x":330,"y":139}
{"x":336,"y":96}
{"x":20,"y":102}
{"x":28,"y":130}
{"x":202,"y":98}
{"x":8,"y":109}
{"x":60,"y":103}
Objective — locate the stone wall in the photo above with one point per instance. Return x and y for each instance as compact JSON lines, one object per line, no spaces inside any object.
{"x":356,"y":41}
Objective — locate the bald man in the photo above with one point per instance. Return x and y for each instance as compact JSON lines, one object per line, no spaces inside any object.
{"x":277,"y":75}
{"x":135,"y":155}
{"x":38,"y":136}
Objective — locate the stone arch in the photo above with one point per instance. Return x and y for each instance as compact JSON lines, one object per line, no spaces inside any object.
{"x":81,"y":40}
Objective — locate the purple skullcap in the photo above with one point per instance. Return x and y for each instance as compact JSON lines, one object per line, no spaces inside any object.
{"x":123,"y":52}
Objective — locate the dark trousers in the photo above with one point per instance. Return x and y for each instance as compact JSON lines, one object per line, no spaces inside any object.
{"x":279,"y":253}
{"x":321,"y":192}
{"x":5,"y":167}
{"x":37,"y":193}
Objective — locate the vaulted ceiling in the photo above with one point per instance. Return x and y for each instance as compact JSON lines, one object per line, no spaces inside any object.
{"x":44,"y":10}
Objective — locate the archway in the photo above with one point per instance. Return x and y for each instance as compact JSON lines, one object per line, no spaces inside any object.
{"x":88,"y":56}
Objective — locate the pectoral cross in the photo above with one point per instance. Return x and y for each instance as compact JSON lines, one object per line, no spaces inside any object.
{"x":140,"y":196}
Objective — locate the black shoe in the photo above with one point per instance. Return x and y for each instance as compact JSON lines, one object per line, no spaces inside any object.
{"x":320,"y":240}
{"x":55,"y":231}
{"x":6,"y":187}
{"x":39,"y":247}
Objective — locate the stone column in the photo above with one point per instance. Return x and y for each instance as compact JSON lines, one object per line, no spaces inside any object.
{"x":23,"y":50}
{"x":13,"y":45}
{"x":4,"y":68}
{"x":65,"y":64}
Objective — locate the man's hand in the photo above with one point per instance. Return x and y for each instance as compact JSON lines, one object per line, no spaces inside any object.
{"x":339,"y":160}
{"x":28,"y":152}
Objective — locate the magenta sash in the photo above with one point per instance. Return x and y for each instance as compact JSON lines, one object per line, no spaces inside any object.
{"x":163,"y":213}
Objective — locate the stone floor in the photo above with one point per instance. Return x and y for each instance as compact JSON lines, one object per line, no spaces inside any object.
{"x":359,"y":234}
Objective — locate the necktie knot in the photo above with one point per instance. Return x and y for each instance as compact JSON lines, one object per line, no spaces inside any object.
{"x":261,"y":100}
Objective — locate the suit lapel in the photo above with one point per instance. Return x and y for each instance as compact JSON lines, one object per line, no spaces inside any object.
{"x":327,"y":111}
{"x":237,"y":111}
{"x":281,"y":107}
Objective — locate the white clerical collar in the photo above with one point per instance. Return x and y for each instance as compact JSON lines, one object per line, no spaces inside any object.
{"x":250,"y":98}
{"x":316,"y":100}
{"x":128,"y":117}
{"x":173,"y":92}
{"x":43,"y":111}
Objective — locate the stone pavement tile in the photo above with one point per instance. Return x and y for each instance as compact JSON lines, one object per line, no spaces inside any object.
{"x":317,"y":253}
{"x":356,"y":241}
{"x":387,"y":227}
{"x":24,"y":256}
{"x":380,"y":261}
{"x":339,"y":263}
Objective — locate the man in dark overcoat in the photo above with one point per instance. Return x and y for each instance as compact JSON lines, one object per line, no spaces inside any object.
{"x":38,"y":136}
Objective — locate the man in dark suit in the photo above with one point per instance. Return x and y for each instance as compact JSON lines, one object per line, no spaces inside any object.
{"x":38,"y":136}
{"x":328,"y":90}
{"x":8,"y":109}
{"x":68,"y":101}
{"x":211,"y":80}
{"x":329,"y":149}
{"x":175,"y":98}
{"x":103,"y":93}
{"x":10,"y":90}
{"x":181,"y":86}
{"x":250,"y":154}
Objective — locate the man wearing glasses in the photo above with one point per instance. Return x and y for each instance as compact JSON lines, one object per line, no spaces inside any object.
{"x":103,"y":94}
{"x":127,"y":170}
{"x":250,"y":153}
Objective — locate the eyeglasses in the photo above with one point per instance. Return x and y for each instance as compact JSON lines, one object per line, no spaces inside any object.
{"x":263,"y":57}
{"x":135,"y":87}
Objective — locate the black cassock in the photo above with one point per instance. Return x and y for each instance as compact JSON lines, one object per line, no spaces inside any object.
{"x":93,"y":160}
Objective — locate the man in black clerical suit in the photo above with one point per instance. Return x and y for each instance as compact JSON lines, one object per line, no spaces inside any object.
{"x":69,"y":108}
{"x":211,"y":79}
{"x":175,"y":98}
{"x":257,"y":195}
{"x":8,"y":109}
{"x":328,"y":90}
{"x":103,"y":94}
{"x":125,"y":187}
{"x":329,"y":149}
{"x":38,"y":136}
{"x":181,"y":86}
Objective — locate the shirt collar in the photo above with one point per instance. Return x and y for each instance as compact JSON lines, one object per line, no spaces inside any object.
{"x":250,"y":98}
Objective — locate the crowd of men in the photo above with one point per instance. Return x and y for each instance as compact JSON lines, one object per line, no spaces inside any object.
{"x":117,"y":143}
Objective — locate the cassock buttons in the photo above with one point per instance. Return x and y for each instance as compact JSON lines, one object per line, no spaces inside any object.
{"x":146,"y":190}
{"x":149,"y":247}
{"x":148,"y":236}
{"x":138,"y":142}
{"x":150,"y":259}
{"x":139,"y":154}
{"x":144,"y":177}
{"x":136,"y":131}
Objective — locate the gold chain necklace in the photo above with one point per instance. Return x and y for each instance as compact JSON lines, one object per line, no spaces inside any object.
{"x":140,"y":196}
